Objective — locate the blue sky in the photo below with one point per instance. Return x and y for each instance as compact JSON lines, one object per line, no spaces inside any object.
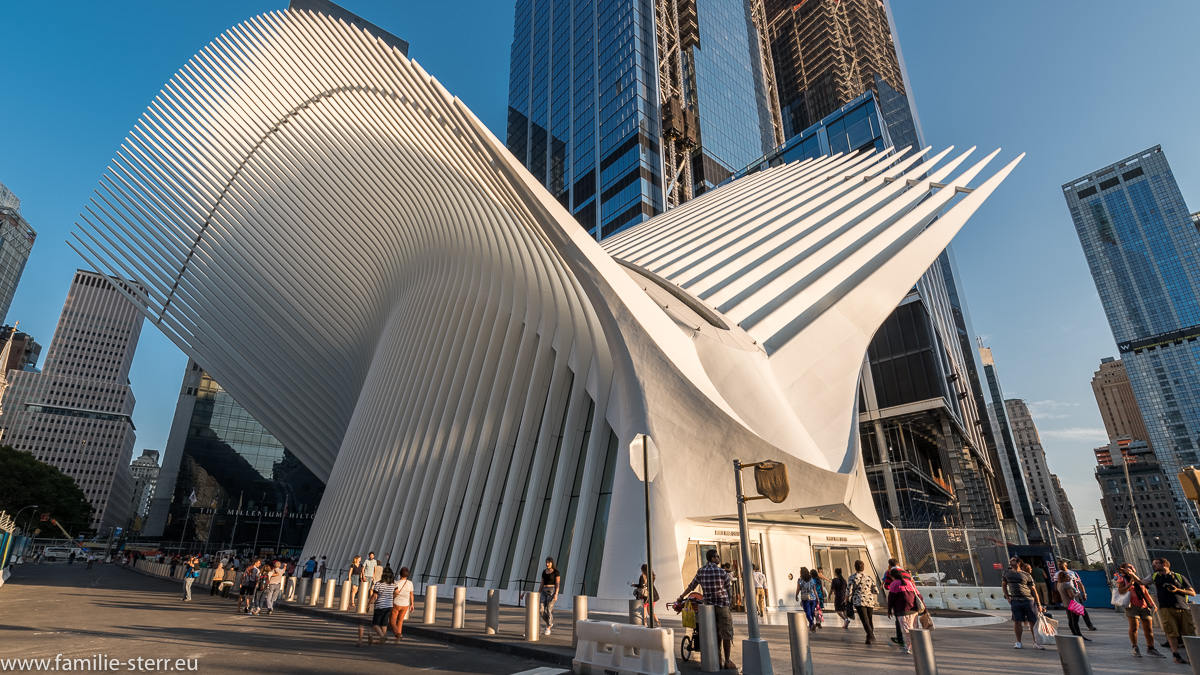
{"x":1076,"y":85}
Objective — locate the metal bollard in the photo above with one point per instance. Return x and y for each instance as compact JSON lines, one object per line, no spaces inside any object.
{"x":289,"y":590}
{"x":710,"y":653}
{"x":798,"y":639}
{"x":578,"y":613}
{"x":1073,"y":655}
{"x":315,"y":597}
{"x":921,"y":642}
{"x":430,"y":604}
{"x":364,"y":593}
{"x":491,"y":622}
{"x":347,"y":591}
{"x":635,"y":618}
{"x":1191,"y":643}
{"x":458,"y":614}
{"x":1195,"y":610}
{"x":330,"y":589}
{"x":531,"y":616}
{"x":302,"y":590}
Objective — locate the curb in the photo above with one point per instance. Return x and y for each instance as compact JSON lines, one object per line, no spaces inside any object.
{"x":420,"y":630}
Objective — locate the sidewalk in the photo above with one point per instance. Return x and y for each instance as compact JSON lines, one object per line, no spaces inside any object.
{"x":965,"y":643}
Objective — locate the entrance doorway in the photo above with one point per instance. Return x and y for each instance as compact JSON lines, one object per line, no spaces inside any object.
{"x":731,"y":554}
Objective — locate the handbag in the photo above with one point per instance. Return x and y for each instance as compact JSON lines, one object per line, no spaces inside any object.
{"x":926,"y":620}
{"x":1120,"y":600}
{"x":1075,"y":608}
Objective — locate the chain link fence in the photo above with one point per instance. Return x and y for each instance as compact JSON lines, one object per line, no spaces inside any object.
{"x":951,"y":556}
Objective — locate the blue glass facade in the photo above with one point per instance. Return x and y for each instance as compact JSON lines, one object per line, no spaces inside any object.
{"x":583,"y":103}
{"x":1141,"y":247}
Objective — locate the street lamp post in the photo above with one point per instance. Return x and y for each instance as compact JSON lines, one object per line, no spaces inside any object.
{"x":31,"y":506}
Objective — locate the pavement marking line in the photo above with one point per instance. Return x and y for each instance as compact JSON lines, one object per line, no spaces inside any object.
{"x":543,"y":671}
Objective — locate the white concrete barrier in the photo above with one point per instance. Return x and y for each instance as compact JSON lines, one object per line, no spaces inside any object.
{"x":932,"y":596}
{"x":993,"y":598}
{"x":962,"y":597}
{"x":608,"y":648}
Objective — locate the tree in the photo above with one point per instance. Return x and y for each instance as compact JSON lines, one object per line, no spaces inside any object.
{"x":24,"y":481}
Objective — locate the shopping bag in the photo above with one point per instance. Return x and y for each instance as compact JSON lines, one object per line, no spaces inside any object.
{"x":1120,"y":600}
{"x":689,"y":616}
{"x":1045,"y":630}
{"x":1075,"y":608}
{"x":926,"y":621}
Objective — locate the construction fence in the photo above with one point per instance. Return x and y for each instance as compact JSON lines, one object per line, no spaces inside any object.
{"x":950,"y":555}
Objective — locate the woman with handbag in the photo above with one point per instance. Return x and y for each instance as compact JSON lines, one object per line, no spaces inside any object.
{"x":641,"y":593}
{"x":904,"y":601}
{"x":1139,"y":608}
{"x":1070,"y":597}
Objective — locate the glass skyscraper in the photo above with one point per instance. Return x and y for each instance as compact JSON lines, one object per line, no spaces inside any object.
{"x":16,"y":242}
{"x":1142,"y":249}
{"x":585,"y":100}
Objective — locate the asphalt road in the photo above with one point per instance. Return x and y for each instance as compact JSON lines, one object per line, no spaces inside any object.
{"x":51,"y":610}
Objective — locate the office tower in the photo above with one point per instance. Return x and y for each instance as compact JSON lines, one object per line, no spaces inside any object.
{"x":76,"y":413}
{"x":16,"y":242}
{"x":1118,"y":406}
{"x":1041,"y":482}
{"x":1124,"y":461}
{"x":19,"y":352}
{"x":1014,"y":496}
{"x":614,"y":133}
{"x":827,"y":52}
{"x":1140,"y":244}
{"x":246,"y":485}
{"x":1070,"y":543}
{"x":145,"y":471}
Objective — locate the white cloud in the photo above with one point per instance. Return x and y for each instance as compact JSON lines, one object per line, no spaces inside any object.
{"x":1051,"y":409}
{"x":1096,"y":434}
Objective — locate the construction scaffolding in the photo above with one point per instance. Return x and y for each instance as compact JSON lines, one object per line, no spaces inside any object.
{"x":677,"y":30}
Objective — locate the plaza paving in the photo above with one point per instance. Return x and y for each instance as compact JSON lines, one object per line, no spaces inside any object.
{"x":51,"y":609}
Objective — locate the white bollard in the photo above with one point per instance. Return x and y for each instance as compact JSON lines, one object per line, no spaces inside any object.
{"x":430,"y":604}
{"x":459,"y":612}
{"x":330,"y":589}
{"x":798,"y":639}
{"x":289,"y":589}
{"x":531,"y":616}
{"x":1191,"y":644}
{"x":347,"y":591}
{"x":364,"y":594}
{"x":315,"y":596}
{"x":710,"y":653}
{"x":579,"y":613}
{"x":921,"y":642}
{"x":491,"y":623}
{"x":635,"y":618}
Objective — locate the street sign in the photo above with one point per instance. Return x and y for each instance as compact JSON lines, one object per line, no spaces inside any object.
{"x":771,"y":480}
{"x":1190,"y":479}
{"x":639,"y":463}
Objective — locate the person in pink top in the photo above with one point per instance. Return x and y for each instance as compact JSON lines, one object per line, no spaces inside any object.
{"x":904,"y":604}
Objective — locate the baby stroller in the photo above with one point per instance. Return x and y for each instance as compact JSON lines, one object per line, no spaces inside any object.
{"x":691,"y":635}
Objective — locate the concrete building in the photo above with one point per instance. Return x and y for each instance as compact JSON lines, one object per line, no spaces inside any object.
{"x":485,"y":383}
{"x":145,"y":471}
{"x":76,"y":414}
{"x":1044,"y":487}
{"x":1140,"y":244}
{"x":1148,"y":505}
{"x":1117,"y":404}
{"x":16,"y":243}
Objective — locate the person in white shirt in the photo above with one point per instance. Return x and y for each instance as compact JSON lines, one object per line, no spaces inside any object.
{"x":404,"y":602}
{"x":368,"y":572}
{"x":760,"y":590}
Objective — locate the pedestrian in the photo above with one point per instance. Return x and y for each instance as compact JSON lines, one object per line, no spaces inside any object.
{"x":248,"y":586}
{"x":71,"y":561}
{"x":1173,"y":591}
{"x":174,"y":565}
{"x":894,"y":565}
{"x":321,"y":569}
{"x":714,"y":583}
{"x":1021,"y":594}
{"x":368,"y":571}
{"x":274,"y":585}
{"x":549,"y":593}
{"x":819,"y":580}
{"x":1070,"y":595}
{"x":190,"y":573}
{"x":644,"y":594}
{"x":841,"y":604}
{"x":1038,"y":572}
{"x":382,"y":599}
{"x":864,"y":593}
{"x":218,"y":578}
{"x":904,"y":604}
{"x":1077,"y":583}
{"x":260,"y":589}
{"x":405,"y":601}
{"x":1140,"y":609}
{"x":760,"y":590}
{"x":310,"y":568}
{"x":806,"y":593}
{"x":354,"y":576}
{"x":91,"y":559}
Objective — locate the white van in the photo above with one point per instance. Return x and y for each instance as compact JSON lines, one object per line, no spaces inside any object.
{"x":55,"y":553}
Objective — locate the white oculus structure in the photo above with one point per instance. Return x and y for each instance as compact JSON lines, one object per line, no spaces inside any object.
{"x":349,"y":251}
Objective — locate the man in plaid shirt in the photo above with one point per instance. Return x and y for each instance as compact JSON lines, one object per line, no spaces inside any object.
{"x":714,"y":584}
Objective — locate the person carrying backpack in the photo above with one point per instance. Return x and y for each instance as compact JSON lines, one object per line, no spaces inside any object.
{"x":1173,"y":591}
{"x":1140,"y":609}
